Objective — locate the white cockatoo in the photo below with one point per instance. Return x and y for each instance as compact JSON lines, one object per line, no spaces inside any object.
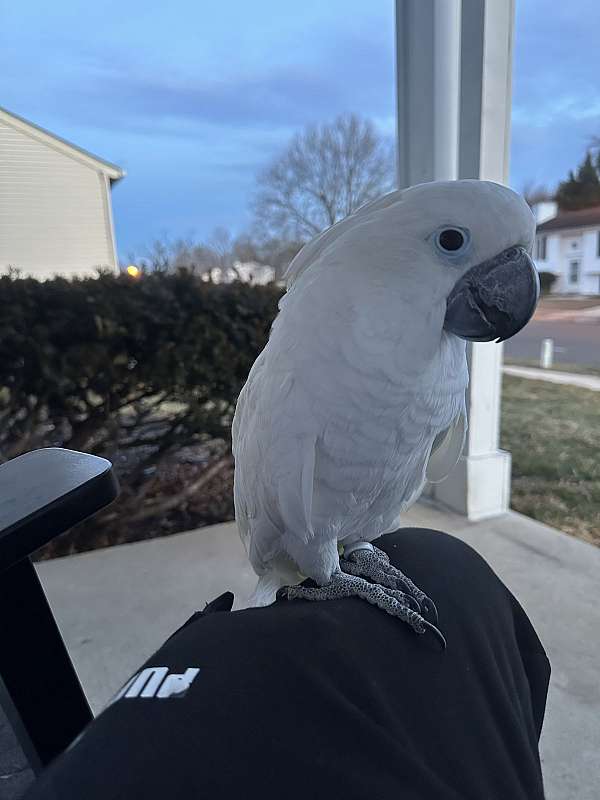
{"x":359,"y":396}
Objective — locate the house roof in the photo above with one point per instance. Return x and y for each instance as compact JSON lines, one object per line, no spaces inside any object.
{"x":583,"y":218}
{"x":113,"y":171}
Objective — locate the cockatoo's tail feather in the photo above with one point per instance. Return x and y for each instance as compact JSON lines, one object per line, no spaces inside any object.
{"x":270,"y":582}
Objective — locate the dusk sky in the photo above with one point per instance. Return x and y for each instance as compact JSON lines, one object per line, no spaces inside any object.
{"x":193,"y":98}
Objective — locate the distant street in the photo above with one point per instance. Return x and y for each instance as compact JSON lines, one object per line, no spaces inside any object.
{"x":574,"y":342}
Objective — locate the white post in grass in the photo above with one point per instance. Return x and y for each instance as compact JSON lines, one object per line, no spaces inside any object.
{"x":454,"y":65}
{"x":547,"y":354}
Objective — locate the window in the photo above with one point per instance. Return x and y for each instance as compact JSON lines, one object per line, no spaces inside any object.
{"x":598,"y":244}
{"x":573,"y":271}
{"x":540,"y":253}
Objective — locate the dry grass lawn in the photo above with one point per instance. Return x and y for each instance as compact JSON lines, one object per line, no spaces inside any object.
{"x":553,"y":433}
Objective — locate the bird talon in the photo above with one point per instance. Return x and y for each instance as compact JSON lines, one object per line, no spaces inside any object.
{"x":282,"y":593}
{"x":393,"y":601}
{"x":436,"y":632}
{"x":365,"y":560}
{"x":413,"y":603}
{"x":429,"y":608}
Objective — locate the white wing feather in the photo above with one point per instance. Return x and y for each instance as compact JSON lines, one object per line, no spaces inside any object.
{"x":446,"y":450}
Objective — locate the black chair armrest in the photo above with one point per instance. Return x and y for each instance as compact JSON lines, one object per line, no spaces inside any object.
{"x":44,"y":493}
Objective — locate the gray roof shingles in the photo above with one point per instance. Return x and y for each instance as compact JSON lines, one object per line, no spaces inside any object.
{"x":583,"y":218}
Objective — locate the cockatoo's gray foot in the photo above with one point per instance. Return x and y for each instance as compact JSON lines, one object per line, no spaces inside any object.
{"x":361,"y":558}
{"x":392,"y":601}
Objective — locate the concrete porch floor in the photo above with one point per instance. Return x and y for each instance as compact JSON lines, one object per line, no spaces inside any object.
{"x":116,"y":606}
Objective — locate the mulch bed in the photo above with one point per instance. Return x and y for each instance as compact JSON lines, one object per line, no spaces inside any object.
{"x":117,"y":524}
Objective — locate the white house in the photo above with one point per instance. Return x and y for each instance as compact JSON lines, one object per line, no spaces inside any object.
{"x":255,"y":274}
{"x":55,"y":204}
{"x":568,"y":246}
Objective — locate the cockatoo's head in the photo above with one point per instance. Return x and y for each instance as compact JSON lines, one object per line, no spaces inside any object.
{"x":460,"y":246}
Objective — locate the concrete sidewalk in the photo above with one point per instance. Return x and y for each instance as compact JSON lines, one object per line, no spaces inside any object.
{"x":116,"y":606}
{"x":591,"y":382}
{"x":546,"y":313}
{"x":589,"y":315}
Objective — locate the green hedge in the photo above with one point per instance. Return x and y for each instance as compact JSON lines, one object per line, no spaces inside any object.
{"x":547,"y":281}
{"x":92,"y":364}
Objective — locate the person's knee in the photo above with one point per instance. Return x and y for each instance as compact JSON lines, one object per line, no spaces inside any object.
{"x":434,"y":547}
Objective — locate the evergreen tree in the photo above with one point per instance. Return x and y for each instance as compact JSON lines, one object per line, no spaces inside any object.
{"x":581,"y":190}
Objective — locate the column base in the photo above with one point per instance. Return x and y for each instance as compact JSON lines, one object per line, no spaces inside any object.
{"x":478,"y":486}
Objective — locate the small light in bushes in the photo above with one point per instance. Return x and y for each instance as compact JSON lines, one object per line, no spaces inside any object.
{"x":133,"y":271}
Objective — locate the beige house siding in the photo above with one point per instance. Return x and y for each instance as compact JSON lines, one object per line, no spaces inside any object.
{"x":55,"y":213}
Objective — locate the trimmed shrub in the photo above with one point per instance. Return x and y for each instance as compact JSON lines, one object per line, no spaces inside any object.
{"x":136,"y":371}
{"x":547,"y":281}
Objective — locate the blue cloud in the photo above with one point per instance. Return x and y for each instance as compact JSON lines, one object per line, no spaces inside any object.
{"x":556,"y":97}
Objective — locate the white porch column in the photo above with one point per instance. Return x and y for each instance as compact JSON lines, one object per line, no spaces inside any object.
{"x":428,"y":89}
{"x":454,"y":65}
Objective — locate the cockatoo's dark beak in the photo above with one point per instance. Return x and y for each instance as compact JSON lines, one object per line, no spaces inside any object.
{"x":495,"y":299}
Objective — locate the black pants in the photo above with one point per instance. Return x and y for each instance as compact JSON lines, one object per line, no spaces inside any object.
{"x":331,"y":699}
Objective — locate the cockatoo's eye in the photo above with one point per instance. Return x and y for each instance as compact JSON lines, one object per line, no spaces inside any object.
{"x":452,"y":241}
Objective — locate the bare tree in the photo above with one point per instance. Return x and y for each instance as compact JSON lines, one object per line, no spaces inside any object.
{"x":221,"y":245}
{"x":219,"y":255}
{"x":218,"y":252}
{"x":326,"y":173}
{"x":536,"y":193}
{"x":157,"y":256}
{"x":270,"y":251}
